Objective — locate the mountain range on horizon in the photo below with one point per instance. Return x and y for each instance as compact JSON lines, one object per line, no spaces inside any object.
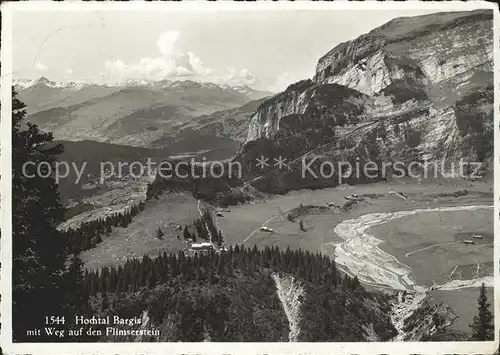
{"x":135,"y":113}
{"x":23,"y":84}
{"x":415,"y":88}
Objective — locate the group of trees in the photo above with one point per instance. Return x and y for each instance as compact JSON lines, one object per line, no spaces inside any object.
{"x":214,"y":183}
{"x":210,"y":268}
{"x":211,"y":231}
{"x":88,"y":234}
{"x":246,"y":308}
{"x":232,"y":296}
{"x":473,"y":121}
{"x":46,"y":278}
{"x":204,"y":228}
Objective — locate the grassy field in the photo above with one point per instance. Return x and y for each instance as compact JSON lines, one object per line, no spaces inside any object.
{"x":432,"y":243}
{"x":243,"y":223}
{"x":139,"y":237}
{"x":401,"y":236}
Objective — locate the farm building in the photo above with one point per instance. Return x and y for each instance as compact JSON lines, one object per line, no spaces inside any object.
{"x":201,"y":246}
{"x":468,"y":241}
{"x":477,"y":236}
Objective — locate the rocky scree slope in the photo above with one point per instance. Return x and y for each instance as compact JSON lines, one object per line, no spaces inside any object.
{"x":417,"y":88}
{"x":289,"y":295}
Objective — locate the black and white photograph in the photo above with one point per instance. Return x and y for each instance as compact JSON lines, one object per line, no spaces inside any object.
{"x":189,"y":177}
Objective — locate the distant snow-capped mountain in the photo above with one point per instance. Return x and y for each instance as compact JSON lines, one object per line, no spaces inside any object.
{"x":23,"y":84}
{"x":253,"y":94}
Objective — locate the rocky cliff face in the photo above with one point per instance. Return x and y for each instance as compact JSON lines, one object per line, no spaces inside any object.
{"x":424,"y":49}
{"x":318,"y":106}
{"x":417,"y":88}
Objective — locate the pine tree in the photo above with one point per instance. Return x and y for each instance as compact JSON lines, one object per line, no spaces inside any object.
{"x":220,"y":240}
{"x":77,"y":294}
{"x":301,"y":226}
{"x":482,"y":325}
{"x":211,"y":278}
{"x":230,"y":266}
{"x":200,"y":229}
{"x":76,"y":301}
{"x":186,"y":233}
{"x":355,"y":284}
{"x":39,"y":251}
{"x":220,"y":265}
{"x":159,"y":233}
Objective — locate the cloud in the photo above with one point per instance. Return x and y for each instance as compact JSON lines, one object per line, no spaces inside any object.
{"x":171,"y":64}
{"x":241,"y":77}
{"x":197,"y":65}
{"x":40,"y":66}
{"x":246,"y":77}
{"x":166,"y":43}
{"x":69,"y":71}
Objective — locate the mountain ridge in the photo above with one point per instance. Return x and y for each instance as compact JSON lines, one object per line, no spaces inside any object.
{"x":23,"y":84}
{"x":135,"y":114}
{"x":422,"y":94}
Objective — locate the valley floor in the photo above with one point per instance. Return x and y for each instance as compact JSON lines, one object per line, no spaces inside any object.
{"x":426,"y":249}
{"x":139,"y":237}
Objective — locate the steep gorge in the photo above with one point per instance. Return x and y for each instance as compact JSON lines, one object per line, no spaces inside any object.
{"x":290,"y":294}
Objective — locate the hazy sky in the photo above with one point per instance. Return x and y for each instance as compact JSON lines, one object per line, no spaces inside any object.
{"x":266,"y":49}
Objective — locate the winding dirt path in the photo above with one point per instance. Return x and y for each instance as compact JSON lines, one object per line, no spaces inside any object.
{"x":427,"y":248}
{"x":257,"y":229}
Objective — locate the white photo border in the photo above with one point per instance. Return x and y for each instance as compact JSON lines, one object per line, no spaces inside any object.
{"x":8,"y":347}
